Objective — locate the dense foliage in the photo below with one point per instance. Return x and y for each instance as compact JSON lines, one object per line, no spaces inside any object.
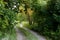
{"x":46,"y":19}
{"x":7,"y":18}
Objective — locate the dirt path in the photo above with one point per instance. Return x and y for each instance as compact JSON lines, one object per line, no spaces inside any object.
{"x":20,"y":35}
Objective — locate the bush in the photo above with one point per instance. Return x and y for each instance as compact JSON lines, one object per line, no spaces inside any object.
{"x":46,"y":20}
{"x":7,"y":17}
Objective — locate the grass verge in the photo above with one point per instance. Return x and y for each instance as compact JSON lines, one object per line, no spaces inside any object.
{"x":9,"y":36}
{"x":28,"y":34}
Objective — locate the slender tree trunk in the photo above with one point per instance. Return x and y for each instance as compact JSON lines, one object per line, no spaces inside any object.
{"x":29,"y":18}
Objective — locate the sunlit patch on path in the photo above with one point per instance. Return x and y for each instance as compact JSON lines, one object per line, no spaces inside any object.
{"x":26,"y":34}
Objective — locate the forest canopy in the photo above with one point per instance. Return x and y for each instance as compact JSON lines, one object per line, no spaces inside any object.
{"x":43,"y":16}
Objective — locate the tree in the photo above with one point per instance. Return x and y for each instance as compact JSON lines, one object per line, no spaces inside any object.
{"x":46,"y":19}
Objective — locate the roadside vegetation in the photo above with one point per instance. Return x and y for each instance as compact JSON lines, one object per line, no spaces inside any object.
{"x":41,"y":16}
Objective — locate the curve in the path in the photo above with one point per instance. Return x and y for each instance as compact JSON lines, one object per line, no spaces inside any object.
{"x":39,"y":37}
{"x":28,"y":36}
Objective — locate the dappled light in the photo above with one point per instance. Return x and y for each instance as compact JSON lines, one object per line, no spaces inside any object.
{"x":21,"y":25}
{"x":42,"y":2}
{"x":29,"y":19}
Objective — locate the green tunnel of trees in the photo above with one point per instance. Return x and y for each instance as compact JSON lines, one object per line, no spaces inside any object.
{"x":46,"y":16}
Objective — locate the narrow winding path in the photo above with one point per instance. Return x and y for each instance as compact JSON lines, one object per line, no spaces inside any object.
{"x":30,"y":35}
